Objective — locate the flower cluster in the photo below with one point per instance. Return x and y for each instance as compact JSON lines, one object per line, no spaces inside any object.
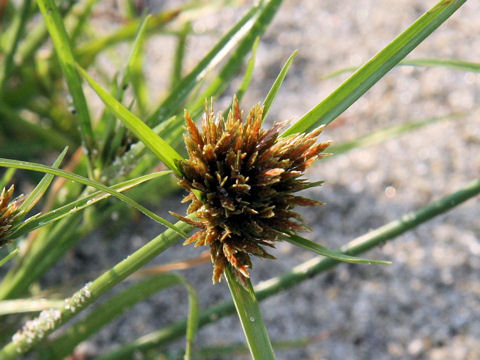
{"x":8,"y":211}
{"x":241,"y":180}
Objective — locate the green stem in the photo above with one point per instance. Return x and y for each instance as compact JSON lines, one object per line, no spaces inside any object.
{"x":303,"y":271}
{"x":8,"y":257}
{"x":51,"y":320}
{"x":250,"y":316}
{"x":106,"y":312}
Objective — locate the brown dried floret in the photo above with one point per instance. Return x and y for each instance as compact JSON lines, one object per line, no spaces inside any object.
{"x":8,"y":211}
{"x":241,"y":180}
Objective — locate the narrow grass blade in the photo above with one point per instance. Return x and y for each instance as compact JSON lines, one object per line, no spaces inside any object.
{"x":426,"y":62}
{"x":385,"y":134}
{"x":155,"y":143}
{"x":304,"y":271}
{"x":171,"y":104}
{"x":111,"y":309}
{"x":232,"y":66}
{"x":364,"y":78}
{"x":8,"y":257}
{"x":19,"y":25}
{"x":272,"y":93}
{"x":40,"y":189}
{"x":52,"y":246}
{"x":18,"y":306}
{"x":7,"y":177}
{"x":59,"y":36}
{"x":112,"y":135}
{"x":192,"y":320}
{"x":447,"y":63}
{"x":37,"y":36}
{"x":82,"y":180}
{"x":87,"y":52}
{"x":322,"y":250}
{"x":81,"y":16}
{"x":134,"y":73}
{"x":52,"y":320}
{"x":180,"y":54}
{"x":247,"y":77}
{"x":69,"y":209}
{"x":250,"y":316}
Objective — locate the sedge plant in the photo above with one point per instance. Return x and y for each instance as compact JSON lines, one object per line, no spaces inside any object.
{"x":240,"y":174}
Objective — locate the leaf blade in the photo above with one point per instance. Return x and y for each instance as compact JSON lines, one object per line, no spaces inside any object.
{"x":322,"y":250}
{"x":85,"y":181}
{"x":155,"y":143}
{"x":272,"y":93}
{"x":364,"y":78}
{"x":41,"y":187}
{"x":36,"y":222}
{"x":56,"y":29}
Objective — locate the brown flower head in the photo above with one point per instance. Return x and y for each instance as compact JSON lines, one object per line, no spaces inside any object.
{"x":241,"y":180}
{"x":8,"y":211}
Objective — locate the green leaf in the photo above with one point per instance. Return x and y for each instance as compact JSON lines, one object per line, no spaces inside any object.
{"x":427,"y":62}
{"x":60,"y":39}
{"x":7,"y":177}
{"x":83,"y":11}
{"x":385,"y":134}
{"x":17,"y":306}
{"x":134,"y":73}
{"x":322,"y":250}
{"x":247,"y":77}
{"x":363,"y":79}
{"x":230,"y":69}
{"x":447,"y":63}
{"x":171,"y":104}
{"x":155,"y":143}
{"x":180,"y":53}
{"x":40,"y":220}
{"x":87,"y":52}
{"x":82,"y":180}
{"x":192,"y":320}
{"x":250,"y":316}
{"x":8,"y":257}
{"x":272,"y":93}
{"x":40,"y":189}
{"x":18,"y":27}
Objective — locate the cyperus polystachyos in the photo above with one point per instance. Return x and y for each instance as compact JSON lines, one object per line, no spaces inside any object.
{"x":241,"y":181}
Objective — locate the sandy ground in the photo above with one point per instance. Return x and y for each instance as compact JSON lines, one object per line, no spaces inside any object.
{"x":426,"y":304}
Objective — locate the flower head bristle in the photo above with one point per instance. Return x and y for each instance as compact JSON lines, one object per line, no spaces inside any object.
{"x":241,"y":180}
{"x":8,"y":211}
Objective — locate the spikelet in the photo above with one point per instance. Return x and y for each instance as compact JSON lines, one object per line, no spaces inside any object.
{"x":245,"y":176}
{"x":8,"y":211}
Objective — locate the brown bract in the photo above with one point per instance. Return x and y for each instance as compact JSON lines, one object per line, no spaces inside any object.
{"x":8,"y":211}
{"x":241,"y":180}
